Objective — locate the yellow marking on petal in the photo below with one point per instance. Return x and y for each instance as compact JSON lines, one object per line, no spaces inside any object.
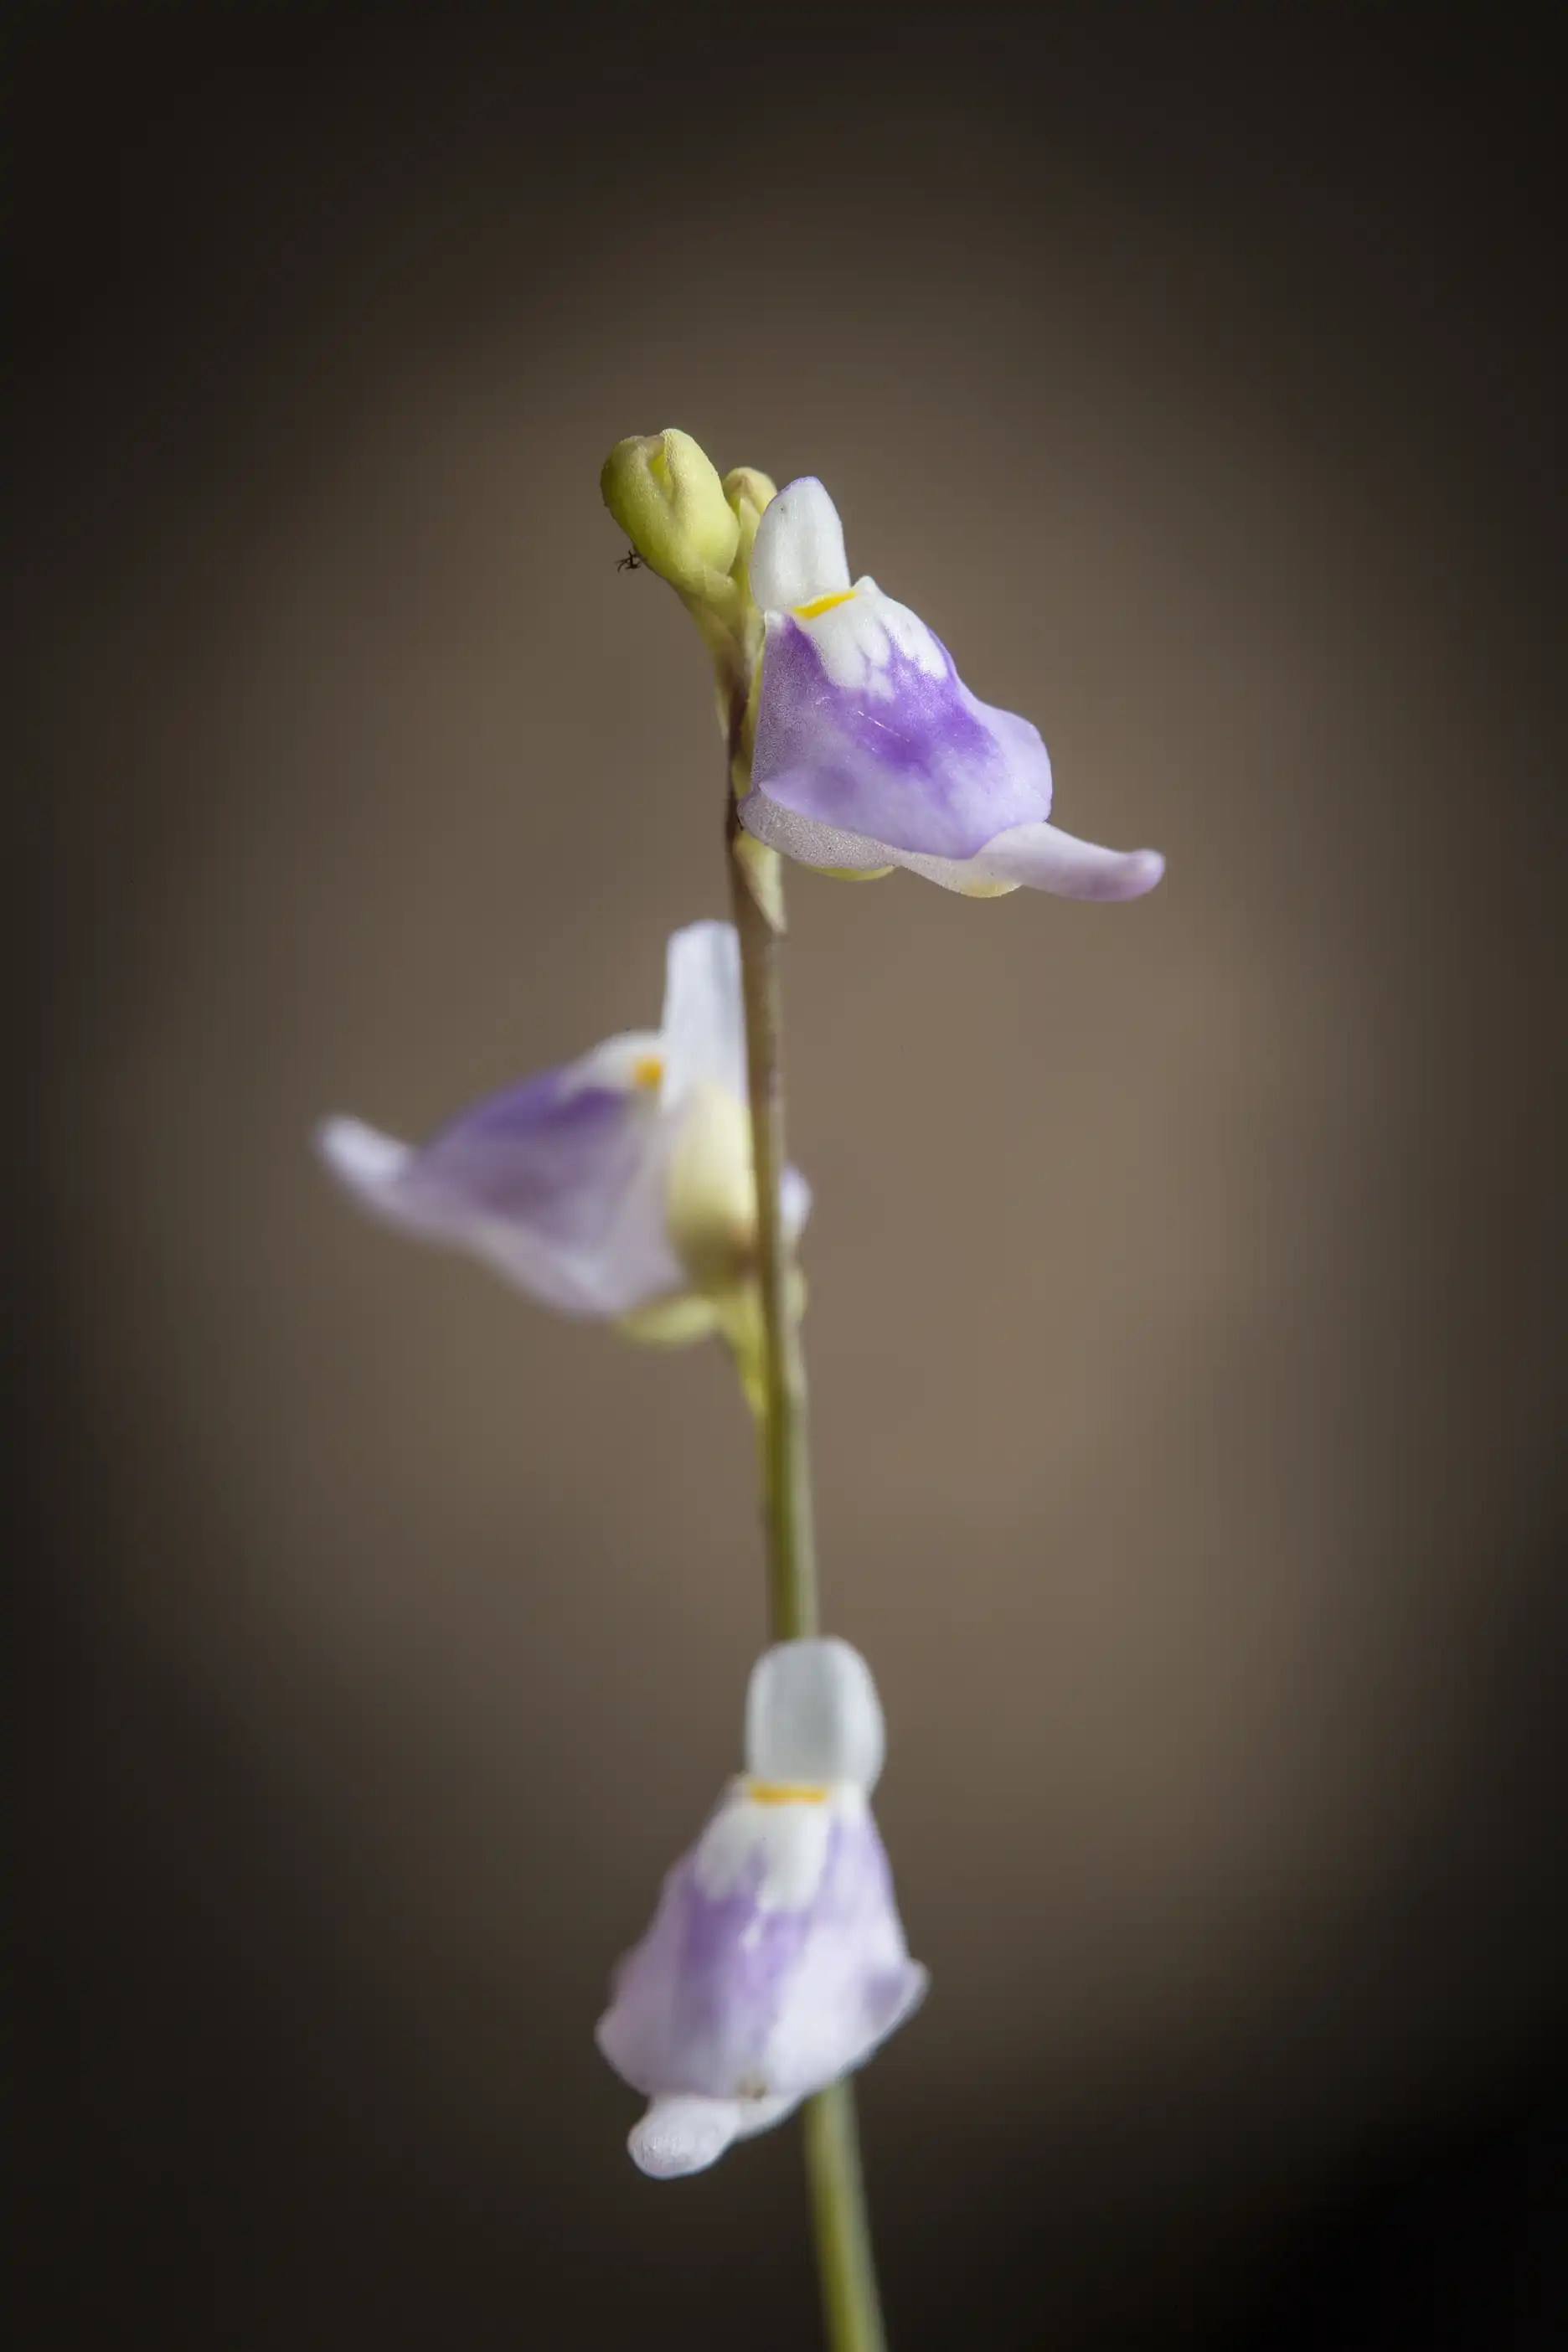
{"x":785,"y":1793}
{"x":821,"y":605}
{"x":647,"y":1070}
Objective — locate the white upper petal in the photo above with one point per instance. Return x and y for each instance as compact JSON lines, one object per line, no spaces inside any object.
{"x":704,"y":1033}
{"x":813,"y":1714}
{"x":799,"y":551}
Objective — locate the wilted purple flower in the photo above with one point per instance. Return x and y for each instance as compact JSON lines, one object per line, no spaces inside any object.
{"x":620,"y":1186}
{"x":775,"y":1961}
{"x":872,"y":752}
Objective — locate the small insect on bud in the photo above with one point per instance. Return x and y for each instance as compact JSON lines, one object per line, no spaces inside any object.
{"x":665,"y":493}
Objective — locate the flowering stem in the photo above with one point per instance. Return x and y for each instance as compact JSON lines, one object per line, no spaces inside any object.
{"x":784,"y":1462}
{"x":844,"y":2260}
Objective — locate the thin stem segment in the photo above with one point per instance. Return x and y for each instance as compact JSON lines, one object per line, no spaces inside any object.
{"x":842,"y":2230}
{"x":844,"y":2259}
{"x":785,"y":1466}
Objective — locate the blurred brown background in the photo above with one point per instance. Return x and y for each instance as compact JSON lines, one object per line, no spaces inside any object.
{"x":1185,"y":1280}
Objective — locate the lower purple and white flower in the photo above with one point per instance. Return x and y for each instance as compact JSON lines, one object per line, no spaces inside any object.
{"x":620,"y":1186}
{"x":775,"y":1963}
{"x":871,"y":751}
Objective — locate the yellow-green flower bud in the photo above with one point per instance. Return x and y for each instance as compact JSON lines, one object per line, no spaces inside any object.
{"x":665,"y":493}
{"x":748,"y":492}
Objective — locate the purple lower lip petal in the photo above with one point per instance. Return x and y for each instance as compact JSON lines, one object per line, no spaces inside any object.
{"x":729,"y":1996}
{"x":923,"y":766}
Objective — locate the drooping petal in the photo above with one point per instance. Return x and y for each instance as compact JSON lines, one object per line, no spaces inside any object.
{"x":798,"y":553}
{"x":1043,"y":857}
{"x":683,"y":2135}
{"x":871,"y":751}
{"x":678,"y":2135}
{"x":558,"y":1184}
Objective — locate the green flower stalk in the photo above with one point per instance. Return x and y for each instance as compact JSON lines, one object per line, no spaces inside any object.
{"x":661,"y":490}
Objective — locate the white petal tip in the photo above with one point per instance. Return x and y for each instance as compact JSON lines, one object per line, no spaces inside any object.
{"x":361,"y":1157}
{"x":703,"y":1025}
{"x":708,"y":938}
{"x":908,"y":1996}
{"x":678,"y":2135}
{"x":1142,"y":869}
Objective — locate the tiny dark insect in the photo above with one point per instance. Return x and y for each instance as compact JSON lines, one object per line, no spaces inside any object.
{"x":630,"y":562}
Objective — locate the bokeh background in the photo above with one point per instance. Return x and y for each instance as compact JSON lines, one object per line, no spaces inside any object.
{"x":1186,"y":1289}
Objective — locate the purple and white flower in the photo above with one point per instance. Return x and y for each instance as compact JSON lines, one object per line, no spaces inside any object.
{"x":872,"y":752}
{"x":775,"y":1963}
{"x":620,"y":1186}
